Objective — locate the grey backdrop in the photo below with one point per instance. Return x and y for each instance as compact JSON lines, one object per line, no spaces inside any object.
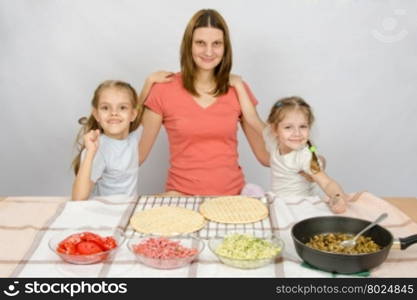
{"x":354,"y":61}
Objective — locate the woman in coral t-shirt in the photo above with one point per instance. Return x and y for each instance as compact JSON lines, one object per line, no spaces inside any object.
{"x":200,"y":112}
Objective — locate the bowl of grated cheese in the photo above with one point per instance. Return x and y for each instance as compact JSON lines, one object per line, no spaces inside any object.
{"x":245,"y":251}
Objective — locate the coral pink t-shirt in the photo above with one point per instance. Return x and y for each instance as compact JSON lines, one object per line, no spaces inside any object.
{"x":202,"y":141}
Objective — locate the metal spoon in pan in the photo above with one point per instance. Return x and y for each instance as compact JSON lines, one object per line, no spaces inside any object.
{"x":352,"y":242}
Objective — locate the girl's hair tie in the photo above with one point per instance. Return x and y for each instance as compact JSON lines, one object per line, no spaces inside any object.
{"x":312,"y":149}
{"x":82,"y":120}
{"x":278,"y":104}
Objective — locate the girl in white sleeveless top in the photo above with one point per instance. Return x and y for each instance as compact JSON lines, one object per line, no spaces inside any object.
{"x":286,"y":136}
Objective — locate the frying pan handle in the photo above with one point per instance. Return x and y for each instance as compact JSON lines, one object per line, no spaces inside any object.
{"x":407,"y":241}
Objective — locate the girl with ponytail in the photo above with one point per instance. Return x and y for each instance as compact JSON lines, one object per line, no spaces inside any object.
{"x":107,"y":161}
{"x":287,"y":138}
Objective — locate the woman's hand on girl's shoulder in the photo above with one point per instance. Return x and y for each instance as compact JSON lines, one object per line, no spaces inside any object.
{"x":91,"y":140}
{"x":160,"y":77}
{"x":235,"y":80}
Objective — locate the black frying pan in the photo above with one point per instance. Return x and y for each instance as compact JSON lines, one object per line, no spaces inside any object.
{"x":344,"y":263}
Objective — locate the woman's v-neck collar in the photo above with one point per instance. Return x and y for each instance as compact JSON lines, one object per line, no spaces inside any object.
{"x":216,"y":100}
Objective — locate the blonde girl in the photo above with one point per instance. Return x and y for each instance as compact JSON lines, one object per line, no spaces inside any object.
{"x":107,"y":162}
{"x":287,"y":138}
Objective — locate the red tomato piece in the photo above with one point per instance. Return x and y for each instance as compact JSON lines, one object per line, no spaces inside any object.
{"x":87,"y":247}
{"x":109,"y":243}
{"x":86,"y":243}
{"x":73,"y":238}
{"x":67,"y":248}
{"x":91,"y":237}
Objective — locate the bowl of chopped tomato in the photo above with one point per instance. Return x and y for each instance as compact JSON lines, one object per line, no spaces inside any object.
{"x":84,"y":247}
{"x":165,"y":252}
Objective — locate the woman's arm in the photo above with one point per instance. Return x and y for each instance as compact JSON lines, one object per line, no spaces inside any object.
{"x":83,"y":185}
{"x":151,"y":122}
{"x":159,"y":76}
{"x":252,"y":124}
{"x":248,"y":109}
{"x":256,"y":143}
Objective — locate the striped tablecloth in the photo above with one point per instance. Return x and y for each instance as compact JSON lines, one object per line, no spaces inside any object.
{"x":27,"y":224}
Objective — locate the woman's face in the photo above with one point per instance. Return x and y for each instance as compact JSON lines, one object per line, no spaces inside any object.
{"x":207,"y":48}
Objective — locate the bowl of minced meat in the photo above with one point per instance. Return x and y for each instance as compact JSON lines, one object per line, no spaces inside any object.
{"x":246,"y":251}
{"x":166,"y":253}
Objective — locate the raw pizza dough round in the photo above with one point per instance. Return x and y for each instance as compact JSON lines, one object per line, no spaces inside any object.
{"x":167,"y":220}
{"x":234,"y":209}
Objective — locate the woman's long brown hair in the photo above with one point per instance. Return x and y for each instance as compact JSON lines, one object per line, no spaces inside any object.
{"x":205,"y":18}
{"x":91,"y":123}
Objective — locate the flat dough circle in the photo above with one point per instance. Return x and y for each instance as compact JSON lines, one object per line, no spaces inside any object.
{"x":234,"y":209}
{"x":167,"y":220}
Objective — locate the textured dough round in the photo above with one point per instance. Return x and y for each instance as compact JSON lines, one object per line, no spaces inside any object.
{"x":167,"y":220}
{"x":234,"y":209}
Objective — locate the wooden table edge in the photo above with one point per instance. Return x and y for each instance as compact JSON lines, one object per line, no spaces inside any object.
{"x":408,"y":205}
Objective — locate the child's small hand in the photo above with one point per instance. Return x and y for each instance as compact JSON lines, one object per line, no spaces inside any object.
{"x":234,"y":80}
{"x":91,"y":140}
{"x":160,"y":77}
{"x":337,"y":203}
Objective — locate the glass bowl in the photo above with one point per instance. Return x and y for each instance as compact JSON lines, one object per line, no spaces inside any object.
{"x":246,"y":254}
{"x":84,"y":259}
{"x":165,"y":252}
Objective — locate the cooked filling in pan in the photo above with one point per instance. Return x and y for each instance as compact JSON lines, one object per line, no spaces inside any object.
{"x":330,"y":242}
